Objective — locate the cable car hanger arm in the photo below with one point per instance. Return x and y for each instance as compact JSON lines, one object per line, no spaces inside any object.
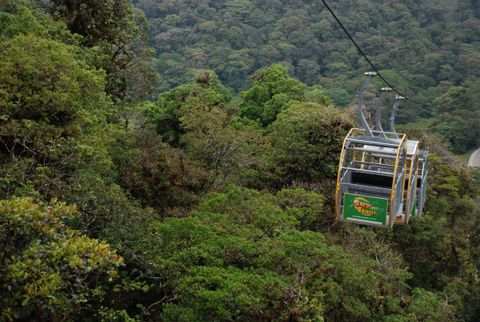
{"x":360,"y":102}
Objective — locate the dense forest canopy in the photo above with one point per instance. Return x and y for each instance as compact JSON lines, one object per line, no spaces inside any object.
{"x":236,"y":38}
{"x":194,"y":181}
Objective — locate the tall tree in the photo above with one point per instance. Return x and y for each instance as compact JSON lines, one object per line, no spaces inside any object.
{"x":49,"y":271}
{"x":120,"y":32}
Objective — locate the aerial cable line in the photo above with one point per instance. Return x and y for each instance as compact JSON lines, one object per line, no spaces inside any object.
{"x":367,"y":59}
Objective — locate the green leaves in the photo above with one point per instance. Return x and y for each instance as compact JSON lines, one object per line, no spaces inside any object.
{"x":306,"y":141}
{"x":427,"y":306}
{"x":212,"y":249}
{"x":306,"y":206}
{"x":47,"y":266}
{"x":51,"y":100}
{"x":271,"y":92}
{"x":240,"y":256}
{"x":206,"y":93}
{"x":457,"y":117}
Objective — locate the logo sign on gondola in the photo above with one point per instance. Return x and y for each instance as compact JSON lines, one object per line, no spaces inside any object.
{"x":365,"y":208}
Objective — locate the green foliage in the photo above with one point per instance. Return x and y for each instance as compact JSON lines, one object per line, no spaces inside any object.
{"x":439,"y":247}
{"x":17,"y":20}
{"x":110,"y":315}
{"x":306,"y":141}
{"x":117,"y":32}
{"x":339,"y":95}
{"x":239,"y":257}
{"x":53,"y":121}
{"x":272,"y":91}
{"x":237,"y":38}
{"x":220,"y":205}
{"x":307,"y":207}
{"x":155,"y":173}
{"x":232,"y":150}
{"x":422,"y":48}
{"x":461,"y":133}
{"x":426,"y":306}
{"x":206,"y":92}
{"x":111,"y":20}
{"x":49,"y":270}
{"x":51,"y":101}
{"x":429,"y":307}
{"x":457,"y":118}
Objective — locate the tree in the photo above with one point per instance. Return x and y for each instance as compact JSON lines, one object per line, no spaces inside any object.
{"x":438,"y":247}
{"x":457,"y":118}
{"x":156,"y":174}
{"x":119,"y":32}
{"x":51,"y":101}
{"x":53,"y":121}
{"x":231,"y":149}
{"x":111,"y":20}
{"x":272,"y":91}
{"x":206,"y":92}
{"x":306,"y":141}
{"x":49,"y":270}
{"x":240,"y":256}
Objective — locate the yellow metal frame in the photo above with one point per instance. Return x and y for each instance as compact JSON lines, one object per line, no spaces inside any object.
{"x":407,"y":206}
{"x":340,"y":163}
{"x":392,"y":194}
{"x":363,"y":161}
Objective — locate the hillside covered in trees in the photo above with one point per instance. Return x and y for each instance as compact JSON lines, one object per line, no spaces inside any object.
{"x":195,"y":181}
{"x":429,"y":49}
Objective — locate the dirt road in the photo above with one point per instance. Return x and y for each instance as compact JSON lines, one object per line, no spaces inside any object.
{"x":474,"y":160}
